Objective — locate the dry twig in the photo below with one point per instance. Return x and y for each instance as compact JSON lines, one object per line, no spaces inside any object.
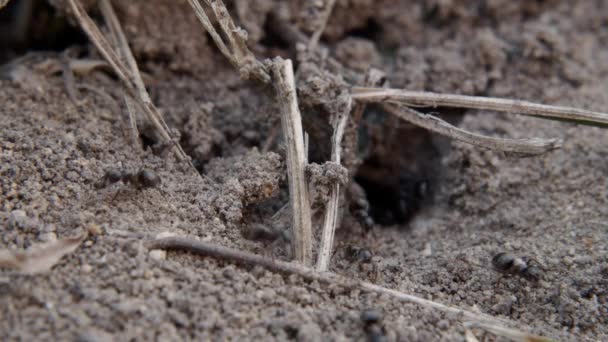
{"x":190,"y":244}
{"x":3,"y":3}
{"x":331,"y":209}
{"x":285,"y":86}
{"x":428,"y":99}
{"x":432,"y":123}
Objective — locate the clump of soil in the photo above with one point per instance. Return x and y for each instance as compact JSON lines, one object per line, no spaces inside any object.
{"x":449,"y":207}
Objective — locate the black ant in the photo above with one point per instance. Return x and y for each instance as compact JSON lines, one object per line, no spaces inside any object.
{"x":372,"y":325}
{"x":142,"y":179}
{"x":525,"y":267}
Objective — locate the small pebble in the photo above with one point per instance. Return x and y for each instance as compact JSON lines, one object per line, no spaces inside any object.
{"x":48,"y":237}
{"x":443,"y":324}
{"x":19,"y":219}
{"x":158,"y":254}
{"x":94,"y":229}
{"x":86,"y":268}
{"x":165,"y":235}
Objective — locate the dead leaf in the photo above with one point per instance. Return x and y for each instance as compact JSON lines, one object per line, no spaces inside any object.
{"x":40,"y":258}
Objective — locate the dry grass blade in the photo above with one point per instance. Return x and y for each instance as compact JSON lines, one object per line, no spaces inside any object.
{"x":129,"y":73}
{"x":102,"y":44}
{"x":427,"y":99}
{"x":314,"y":40}
{"x":296,"y":159}
{"x":189,"y":244}
{"x":40,"y":258}
{"x":204,"y":19}
{"x":123,"y":46}
{"x":432,"y":123}
{"x":236,"y":51}
{"x":331,"y":219}
{"x":511,"y":334}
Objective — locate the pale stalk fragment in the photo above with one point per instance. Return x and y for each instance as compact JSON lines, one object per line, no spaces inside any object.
{"x":434,"y":124}
{"x":190,"y":244}
{"x":332,"y":216}
{"x":128,"y":74}
{"x":428,"y":99}
{"x":296,"y":159}
{"x":511,"y":334}
{"x":236,"y":50}
{"x":3,"y":3}
{"x":132,"y":123}
{"x":314,"y":40}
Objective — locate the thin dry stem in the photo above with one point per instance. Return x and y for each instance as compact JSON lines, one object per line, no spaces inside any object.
{"x":3,"y":3}
{"x":125,"y":51}
{"x":432,"y":123}
{"x":296,"y":159}
{"x":128,"y":74}
{"x":511,"y":334}
{"x":316,"y":36}
{"x":236,"y":50}
{"x":132,"y":123}
{"x":332,"y":216}
{"x":190,"y":244}
{"x":204,"y":19}
{"x":69,"y":81}
{"x":428,"y":99}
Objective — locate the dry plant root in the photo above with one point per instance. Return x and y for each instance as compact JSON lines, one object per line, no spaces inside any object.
{"x":189,"y":244}
{"x":116,"y":53}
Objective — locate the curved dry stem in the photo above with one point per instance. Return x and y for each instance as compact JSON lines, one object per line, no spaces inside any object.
{"x":428,"y":99}
{"x":432,"y":123}
{"x":190,"y":244}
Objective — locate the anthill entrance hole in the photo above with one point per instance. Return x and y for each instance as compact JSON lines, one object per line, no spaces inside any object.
{"x":29,"y":25}
{"x":401,"y":165}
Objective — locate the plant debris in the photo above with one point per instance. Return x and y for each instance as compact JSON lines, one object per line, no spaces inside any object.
{"x":40,"y":258}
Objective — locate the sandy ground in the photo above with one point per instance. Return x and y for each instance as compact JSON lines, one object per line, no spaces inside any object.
{"x":551,"y":208}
